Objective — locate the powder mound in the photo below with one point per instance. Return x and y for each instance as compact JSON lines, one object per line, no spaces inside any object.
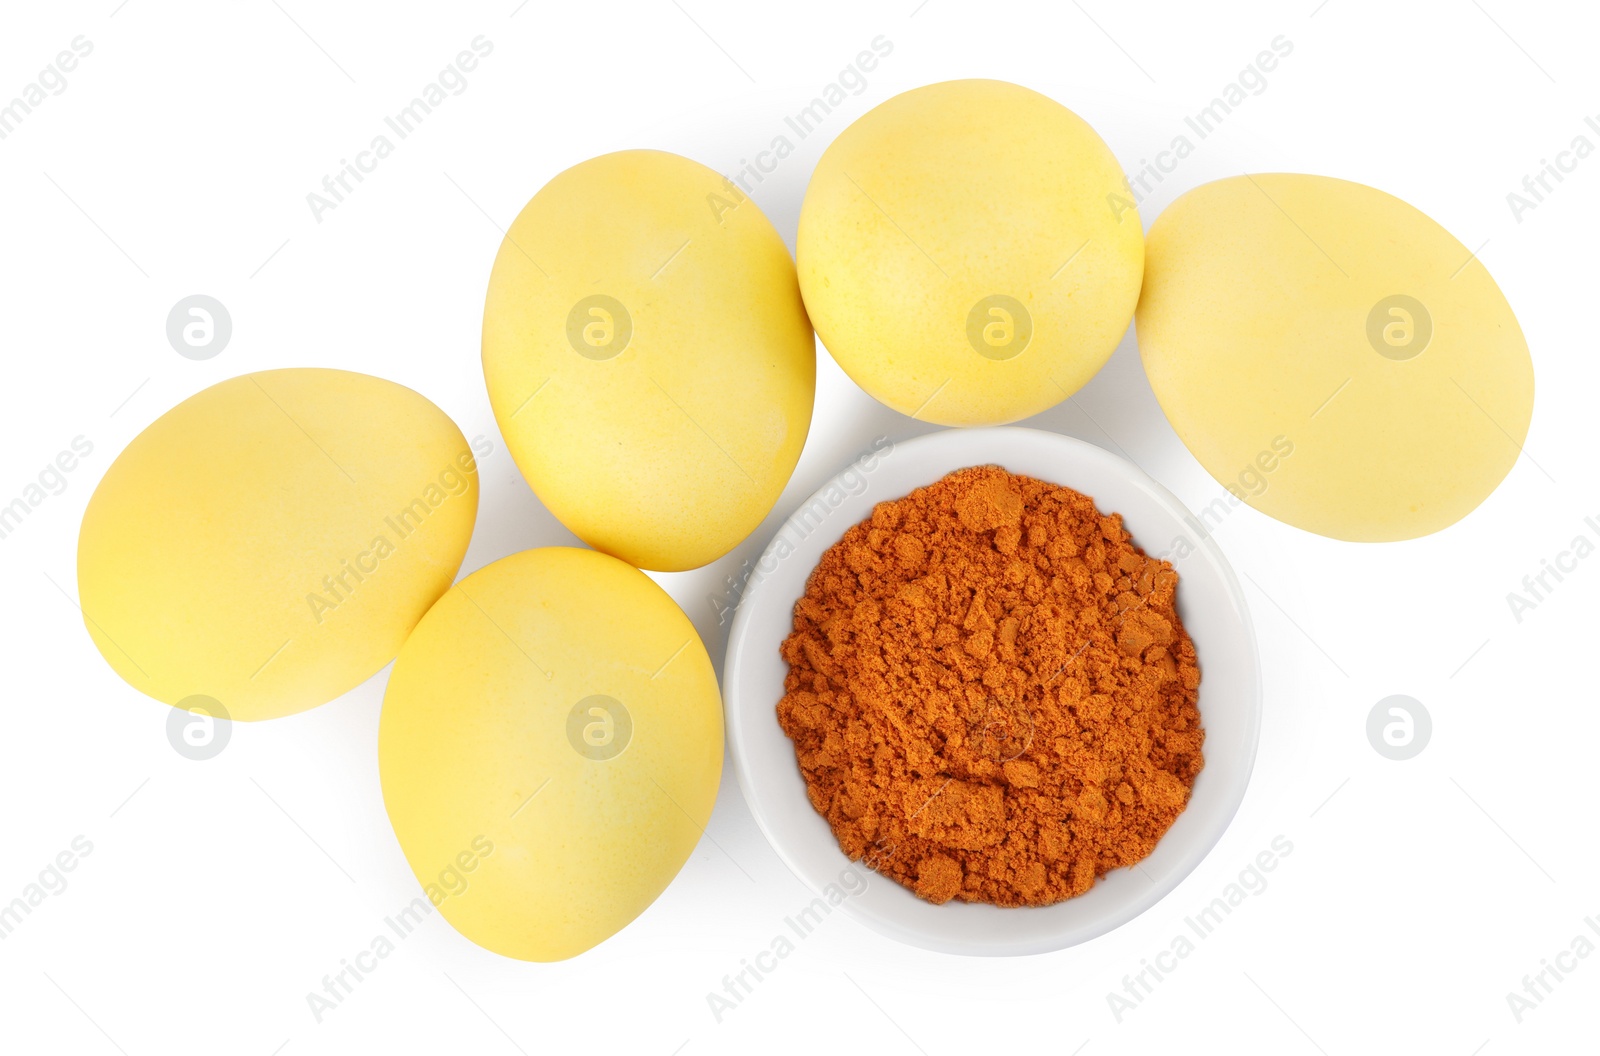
{"x":990,"y":693}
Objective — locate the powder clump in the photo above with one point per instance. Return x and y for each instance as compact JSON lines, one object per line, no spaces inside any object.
{"x":990,"y":693}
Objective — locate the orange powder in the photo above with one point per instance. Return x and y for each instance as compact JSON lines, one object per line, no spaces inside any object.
{"x":990,"y":693}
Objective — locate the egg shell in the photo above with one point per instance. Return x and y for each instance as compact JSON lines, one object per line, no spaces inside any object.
{"x":648,"y":357}
{"x":558,"y":709}
{"x":1333,"y":356}
{"x":969,"y":252}
{"x":267,"y":544}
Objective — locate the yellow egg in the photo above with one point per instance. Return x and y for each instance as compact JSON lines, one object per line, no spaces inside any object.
{"x":969,"y":252}
{"x":648,"y":357}
{"x":1332,"y":355}
{"x":550,"y":749}
{"x":268,"y":543}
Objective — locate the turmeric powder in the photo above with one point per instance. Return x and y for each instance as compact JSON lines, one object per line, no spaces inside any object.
{"x":990,"y":693}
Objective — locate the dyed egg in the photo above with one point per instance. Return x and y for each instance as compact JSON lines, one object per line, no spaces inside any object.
{"x":648,"y":357}
{"x":268,"y":543}
{"x":969,"y":252}
{"x":1333,"y":356}
{"x":550,"y":749}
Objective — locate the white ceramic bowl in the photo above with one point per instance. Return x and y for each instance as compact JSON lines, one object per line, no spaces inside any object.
{"x":1209,"y":600}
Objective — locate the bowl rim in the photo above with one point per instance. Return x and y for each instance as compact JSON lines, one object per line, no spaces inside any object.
{"x":977,"y":440}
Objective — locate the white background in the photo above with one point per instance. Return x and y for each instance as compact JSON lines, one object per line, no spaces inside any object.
{"x":218,"y":893}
